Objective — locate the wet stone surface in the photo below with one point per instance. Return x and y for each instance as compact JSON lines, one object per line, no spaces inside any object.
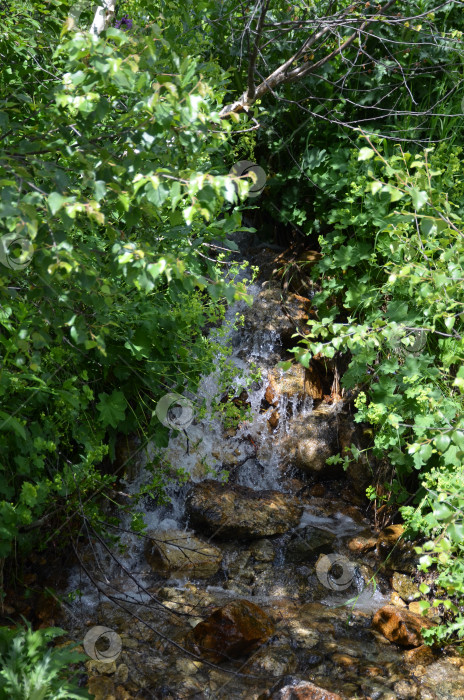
{"x":269,"y":574}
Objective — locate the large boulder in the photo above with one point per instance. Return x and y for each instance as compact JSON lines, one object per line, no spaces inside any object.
{"x":174,"y":552}
{"x":310,"y":440}
{"x":401,"y":626}
{"x":230,"y":511}
{"x":231,"y":631}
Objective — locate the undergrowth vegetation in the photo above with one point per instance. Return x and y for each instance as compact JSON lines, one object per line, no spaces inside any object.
{"x":116,"y":218}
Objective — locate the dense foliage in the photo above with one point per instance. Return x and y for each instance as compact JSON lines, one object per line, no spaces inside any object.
{"x":109,"y":200}
{"x":115,"y":212}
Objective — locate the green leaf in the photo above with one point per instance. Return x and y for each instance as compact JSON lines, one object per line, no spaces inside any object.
{"x":456,"y":532}
{"x":8,"y":422}
{"x":112,"y":408}
{"x":419,"y":198}
{"x":56,"y":201}
{"x":442,"y":442}
{"x":366,"y":153}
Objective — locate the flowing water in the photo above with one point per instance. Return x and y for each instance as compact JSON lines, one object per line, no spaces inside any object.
{"x":319,"y":637}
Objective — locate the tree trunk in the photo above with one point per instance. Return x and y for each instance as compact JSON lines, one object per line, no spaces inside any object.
{"x":103,"y":16}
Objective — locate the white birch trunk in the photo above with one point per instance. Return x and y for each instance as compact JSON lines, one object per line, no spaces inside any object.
{"x":103,"y":16}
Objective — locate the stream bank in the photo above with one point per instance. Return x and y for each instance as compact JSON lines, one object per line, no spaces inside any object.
{"x":260,"y":585}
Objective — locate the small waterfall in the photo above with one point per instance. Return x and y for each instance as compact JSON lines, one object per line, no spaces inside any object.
{"x":248,"y":456}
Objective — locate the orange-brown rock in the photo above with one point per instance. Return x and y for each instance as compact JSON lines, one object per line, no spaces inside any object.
{"x":401,"y":626}
{"x":361,"y":545}
{"x":271,"y":392}
{"x":372,"y":671}
{"x":396,"y":600}
{"x":313,"y":383}
{"x":231,"y":631}
{"x":420,"y":656}
{"x":273,"y":419}
{"x":304,"y":691}
{"x":390,"y":535}
{"x":345,"y":660}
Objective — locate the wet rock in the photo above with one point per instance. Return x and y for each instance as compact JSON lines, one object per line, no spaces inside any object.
{"x":304,"y":690}
{"x":405,"y":588}
{"x":420,"y":656}
{"x":308,"y":541}
{"x":361,"y":545}
{"x":346,"y":661}
{"x":311,"y":439}
{"x":271,"y":395}
{"x":396,"y":553}
{"x":442,"y":681}
{"x":102,"y":688}
{"x":396,"y":600}
{"x":231,"y":631}
{"x":317,"y":491}
{"x":275,"y":660}
{"x":311,"y":456}
{"x":297,"y":382}
{"x":263,"y":551}
{"x":302,"y":634}
{"x":405,"y":690}
{"x":270,"y":312}
{"x":273,"y":419}
{"x":178,"y":552}
{"x":228,"y":511}
{"x":390,"y":535}
{"x":400,"y":626}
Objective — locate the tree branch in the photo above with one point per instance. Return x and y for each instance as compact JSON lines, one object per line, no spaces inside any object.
{"x":282,"y":74}
{"x":254,"y":52}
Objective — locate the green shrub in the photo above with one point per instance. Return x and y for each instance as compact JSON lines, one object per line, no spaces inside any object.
{"x":30,"y":670}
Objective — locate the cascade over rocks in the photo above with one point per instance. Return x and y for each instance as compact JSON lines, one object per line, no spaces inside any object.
{"x":271,"y":312}
{"x":229,"y":511}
